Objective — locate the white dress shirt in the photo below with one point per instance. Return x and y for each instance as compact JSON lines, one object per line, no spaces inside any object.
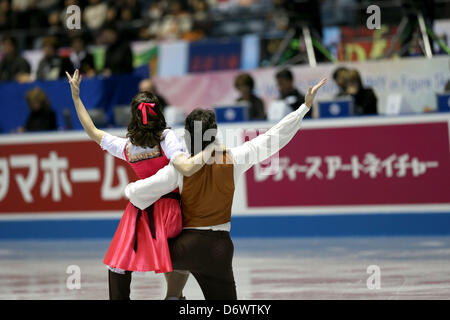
{"x":145,"y":192}
{"x":171,"y":145}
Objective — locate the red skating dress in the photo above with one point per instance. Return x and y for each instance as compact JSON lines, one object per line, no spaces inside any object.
{"x":140,"y":241}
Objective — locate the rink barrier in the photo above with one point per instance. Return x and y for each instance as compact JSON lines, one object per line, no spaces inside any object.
{"x":339,"y":198}
{"x":354,"y":225}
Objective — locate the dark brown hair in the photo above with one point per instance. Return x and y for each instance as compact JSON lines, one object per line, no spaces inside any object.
{"x":50,"y":41}
{"x":146,"y":135}
{"x":244,"y":79}
{"x":207,"y":118}
{"x":353,"y":75}
{"x":285,"y":74}
{"x":338,"y":70}
{"x":37,"y":94}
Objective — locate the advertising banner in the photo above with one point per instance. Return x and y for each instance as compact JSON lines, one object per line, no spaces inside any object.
{"x":64,"y":176}
{"x":396,"y":164}
{"x":330,"y":166}
{"x":416,"y":80}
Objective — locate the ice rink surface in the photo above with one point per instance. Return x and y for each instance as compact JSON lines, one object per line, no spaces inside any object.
{"x":265,"y":268}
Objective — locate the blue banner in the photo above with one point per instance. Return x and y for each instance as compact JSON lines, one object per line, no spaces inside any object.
{"x":104,"y":93}
{"x":214,"y":55}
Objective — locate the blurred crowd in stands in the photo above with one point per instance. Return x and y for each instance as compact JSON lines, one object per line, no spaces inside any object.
{"x":41,"y":24}
{"x":348,"y":81}
{"x":135,"y":19}
{"x":42,"y":118}
{"x":33,"y":24}
{"x":163,"y":19}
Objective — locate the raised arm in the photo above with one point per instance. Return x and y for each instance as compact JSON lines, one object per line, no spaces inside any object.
{"x":272,"y":141}
{"x":145,"y":192}
{"x":86,"y":121}
{"x":187,"y":166}
{"x":180,"y":159}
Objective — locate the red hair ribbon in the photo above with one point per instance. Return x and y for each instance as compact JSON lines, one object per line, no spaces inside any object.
{"x":143,"y":107}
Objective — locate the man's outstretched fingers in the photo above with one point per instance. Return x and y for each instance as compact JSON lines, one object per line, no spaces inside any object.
{"x":319,"y":85}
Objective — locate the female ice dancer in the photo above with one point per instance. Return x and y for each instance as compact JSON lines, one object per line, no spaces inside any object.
{"x":140,"y":241}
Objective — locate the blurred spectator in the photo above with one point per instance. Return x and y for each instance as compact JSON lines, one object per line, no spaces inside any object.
{"x":244,"y":84}
{"x":130,"y":10}
{"x":21,"y":5}
{"x":12,"y":66}
{"x":52,"y":66}
{"x":156,"y":10}
{"x":111,"y":17}
{"x":365,"y":100}
{"x":200,"y":8}
{"x":149,"y":86}
{"x":288,"y":92}
{"x":19,"y":14}
{"x":48,"y":5}
{"x":81,"y":59}
{"x":55,"y":25}
{"x":118,"y":56}
{"x":176,"y":23}
{"x":155,"y":13}
{"x":95,"y":13}
{"x":340,"y":77}
{"x":279,"y":16}
{"x":200,"y":21}
{"x":447,"y":86}
{"x":41,"y":117}
{"x":36,"y":17}
{"x":6,"y":22}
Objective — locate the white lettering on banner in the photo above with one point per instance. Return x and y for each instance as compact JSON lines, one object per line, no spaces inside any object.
{"x":4,"y":178}
{"x":26,"y":184}
{"x":268,"y":167}
{"x":56,"y":174}
{"x":334,"y":164}
{"x":108,"y":191}
{"x":314,"y":169}
{"x":373,"y":166}
{"x":85,"y":175}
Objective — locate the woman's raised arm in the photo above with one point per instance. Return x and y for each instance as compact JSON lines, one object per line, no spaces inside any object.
{"x":86,"y":121}
{"x":187,"y":166}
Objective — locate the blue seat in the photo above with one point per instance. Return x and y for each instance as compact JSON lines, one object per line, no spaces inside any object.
{"x":227,"y":114}
{"x":341,"y":107}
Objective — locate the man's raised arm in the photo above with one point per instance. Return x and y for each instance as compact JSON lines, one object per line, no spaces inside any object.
{"x":145,"y":192}
{"x":272,"y":141}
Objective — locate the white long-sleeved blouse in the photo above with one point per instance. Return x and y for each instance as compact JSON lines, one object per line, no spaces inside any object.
{"x":171,"y":145}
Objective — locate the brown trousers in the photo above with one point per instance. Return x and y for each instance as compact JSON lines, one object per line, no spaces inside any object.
{"x":208,"y":255}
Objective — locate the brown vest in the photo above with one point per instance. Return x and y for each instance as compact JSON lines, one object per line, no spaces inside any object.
{"x":207,"y":195}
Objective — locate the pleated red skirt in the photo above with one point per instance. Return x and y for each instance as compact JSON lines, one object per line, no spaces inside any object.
{"x":151,"y":254}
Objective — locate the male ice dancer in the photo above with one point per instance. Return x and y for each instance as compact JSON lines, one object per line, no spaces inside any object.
{"x":204,"y":247}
